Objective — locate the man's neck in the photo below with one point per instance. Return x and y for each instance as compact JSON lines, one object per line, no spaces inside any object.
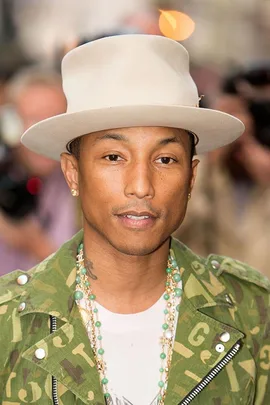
{"x":124,"y":283}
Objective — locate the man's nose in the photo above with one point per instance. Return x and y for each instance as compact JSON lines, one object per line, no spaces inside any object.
{"x":139,"y":181}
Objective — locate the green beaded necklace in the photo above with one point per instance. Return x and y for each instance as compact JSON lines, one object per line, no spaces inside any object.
{"x":173,"y":291}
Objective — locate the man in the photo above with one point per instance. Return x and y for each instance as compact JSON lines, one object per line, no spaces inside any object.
{"x":35,"y":226}
{"x":234,"y":182}
{"x":122,"y":313}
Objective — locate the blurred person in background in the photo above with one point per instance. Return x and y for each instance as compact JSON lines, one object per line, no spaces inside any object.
{"x":229,"y":213}
{"x":37,"y":213}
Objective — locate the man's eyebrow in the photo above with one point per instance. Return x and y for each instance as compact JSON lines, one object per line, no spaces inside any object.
{"x":174,"y":139}
{"x":116,"y":137}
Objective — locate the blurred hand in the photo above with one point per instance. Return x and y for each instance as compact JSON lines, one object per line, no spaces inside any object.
{"x":256,"y":160}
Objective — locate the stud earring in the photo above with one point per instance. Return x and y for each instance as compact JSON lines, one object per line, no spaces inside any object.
{"x":189,"y":196}
{"x":74,"y":192}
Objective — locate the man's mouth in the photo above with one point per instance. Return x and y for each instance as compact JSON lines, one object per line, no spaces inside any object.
{"x":133,"y":219}
{"x":137,"y":214}
{"x":137,"y":217}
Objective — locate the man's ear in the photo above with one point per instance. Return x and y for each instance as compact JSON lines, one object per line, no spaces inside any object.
{"x":69,"y":166}
{"x":194,"y":166}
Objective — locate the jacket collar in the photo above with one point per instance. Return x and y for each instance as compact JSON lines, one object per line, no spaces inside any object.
{"x":197,"y":335}
{"x":58,"y":273}
{"x":55,"y":277}
{"x":198,"y":346}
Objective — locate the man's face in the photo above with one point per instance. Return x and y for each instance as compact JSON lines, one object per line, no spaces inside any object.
{"x":133,"y":184}
{"x":36,"y":103}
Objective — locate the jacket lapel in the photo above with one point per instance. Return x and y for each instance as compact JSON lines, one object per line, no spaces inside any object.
{"x":70,"y":360}
{"x":197,"y":347}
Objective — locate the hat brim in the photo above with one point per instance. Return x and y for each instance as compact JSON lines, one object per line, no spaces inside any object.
{"x":213,"y":128}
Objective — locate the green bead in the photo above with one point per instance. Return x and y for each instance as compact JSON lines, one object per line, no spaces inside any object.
{"x":177,"y":277}
{"x":99,"y":337}
{"x":166,"y":311}
{"x":101,"y":351}
{"x":107,"y":395}
{"x":178,"y":307}
{"x":95,"y":310}
{"x":167,"y":283}
{"x":165,"y":326}
{"x":98,"y":324}
{"x":162,"y":356}
{"x":78,"y":280}
{"x":161,"y":384}
{"x":104,"y":381}
{"x":83,"y":271}
{"x":178,"y":292}
{"x":168,"y":270}
{"x":166,"y":296}
{"x":80,"y":246}
{"x":87,"y":284}
{"x":160,"y":397}
{"x":174,"y":263}
{"x":161,"y":369}
{"x":78,"y":295}
{"x":92,"y":297}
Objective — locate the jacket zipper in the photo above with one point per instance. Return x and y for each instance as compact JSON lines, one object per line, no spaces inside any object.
{"x":211,"y":375}
{"x":53,"y":327}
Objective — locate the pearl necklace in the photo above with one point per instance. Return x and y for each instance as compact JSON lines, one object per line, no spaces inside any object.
{"x":173,"y":290}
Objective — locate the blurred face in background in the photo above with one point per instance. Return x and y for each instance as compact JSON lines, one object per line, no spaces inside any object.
{"x":245,"y":158}
{"x":36,"y":103}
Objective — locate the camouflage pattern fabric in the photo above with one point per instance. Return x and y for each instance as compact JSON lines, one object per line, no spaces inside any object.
{"x":220,"y":295}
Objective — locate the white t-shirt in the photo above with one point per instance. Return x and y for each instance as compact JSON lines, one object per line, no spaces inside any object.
{"x":132,"y":353}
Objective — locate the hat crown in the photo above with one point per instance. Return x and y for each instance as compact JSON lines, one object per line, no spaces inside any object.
{"x":128,"y":70}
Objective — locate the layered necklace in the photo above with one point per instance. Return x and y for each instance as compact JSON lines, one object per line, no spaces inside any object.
{"x":173,"y":292}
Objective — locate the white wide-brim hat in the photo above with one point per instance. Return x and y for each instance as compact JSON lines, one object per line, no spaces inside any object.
{"x":128,"y":81}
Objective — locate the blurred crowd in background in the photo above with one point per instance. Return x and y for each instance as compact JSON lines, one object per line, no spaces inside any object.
{"x":229,"y":42}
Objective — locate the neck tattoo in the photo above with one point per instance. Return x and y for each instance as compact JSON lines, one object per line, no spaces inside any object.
{"x":89,"y":267}
{"x":173,"y":289}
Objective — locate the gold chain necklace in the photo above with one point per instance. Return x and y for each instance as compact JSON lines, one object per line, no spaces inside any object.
{"x":173,"y":290}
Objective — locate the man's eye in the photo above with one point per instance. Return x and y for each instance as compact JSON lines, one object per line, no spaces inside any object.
{"x":165,"y":160}
{"x":113,"y":158}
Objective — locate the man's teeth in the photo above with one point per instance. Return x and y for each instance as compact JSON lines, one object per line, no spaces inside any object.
{"x":138,"y":217}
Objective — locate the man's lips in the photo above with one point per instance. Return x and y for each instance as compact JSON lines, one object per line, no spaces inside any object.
{"x":137,"y":219}
{"x":137,"y":214}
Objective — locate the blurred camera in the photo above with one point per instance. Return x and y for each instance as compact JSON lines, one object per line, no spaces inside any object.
{"x":260,"y":111}
{"x":253,"y":84}
{"x":18,"y":193}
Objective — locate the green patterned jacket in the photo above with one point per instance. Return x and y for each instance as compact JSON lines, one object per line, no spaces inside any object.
{"x":221,"y":352}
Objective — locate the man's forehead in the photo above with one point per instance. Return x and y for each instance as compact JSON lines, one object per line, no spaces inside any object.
{"x":130,"y":134}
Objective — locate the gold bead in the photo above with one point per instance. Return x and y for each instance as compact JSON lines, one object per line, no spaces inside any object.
{"x":100,"y":366}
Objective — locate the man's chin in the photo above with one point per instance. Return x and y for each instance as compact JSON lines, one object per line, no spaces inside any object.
{"x":138,"y":248}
